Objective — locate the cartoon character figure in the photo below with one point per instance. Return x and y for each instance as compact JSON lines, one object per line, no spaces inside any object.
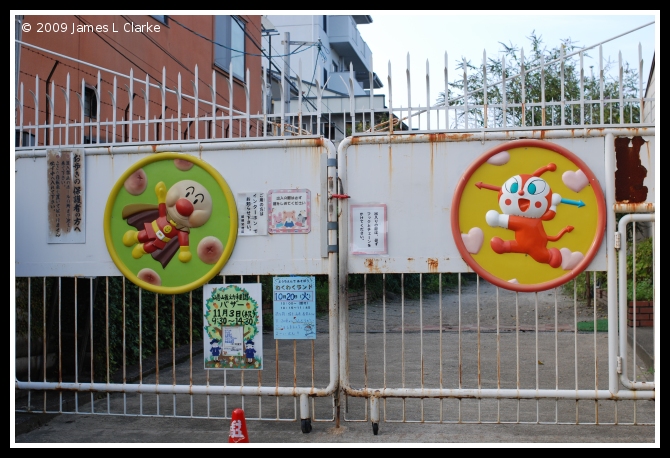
{"x":187,"y":204}
{"x":309,"y":330}
{"x":278,"y":219}
{"x":301,"y":218}
{"x":526,"y":201}
{"x":289,"y":218}
{"x":215,"y":349}
{"x":250,"y":351}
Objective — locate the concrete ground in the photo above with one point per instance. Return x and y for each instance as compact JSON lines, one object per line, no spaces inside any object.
{"x":410,"y":327}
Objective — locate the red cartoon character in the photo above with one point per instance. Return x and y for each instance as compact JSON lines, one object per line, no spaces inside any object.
{"x":526,"y":201}
{"x":186,"y":205}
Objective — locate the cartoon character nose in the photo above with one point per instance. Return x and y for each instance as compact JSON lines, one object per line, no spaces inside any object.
{"x":184,"y":207}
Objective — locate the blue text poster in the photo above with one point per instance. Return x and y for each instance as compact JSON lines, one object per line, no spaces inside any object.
{"x":294,"y":304}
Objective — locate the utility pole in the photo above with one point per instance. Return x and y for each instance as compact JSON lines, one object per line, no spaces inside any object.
{"x":287,"y":69}
{"x":287,"y":75}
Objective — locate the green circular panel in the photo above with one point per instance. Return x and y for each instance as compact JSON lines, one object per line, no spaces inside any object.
{"x":170,"y":223}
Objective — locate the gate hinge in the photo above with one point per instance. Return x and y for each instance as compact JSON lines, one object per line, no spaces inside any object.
{"x":618,"y":365}
{"x":617,"y":240}
{"x":331,"y":162}
{"x":333,"y":249}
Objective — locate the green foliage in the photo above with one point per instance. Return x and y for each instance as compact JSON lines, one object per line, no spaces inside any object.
{"x":148,"y":322}
{"x":644,"y":275}
{"x":30,"y":290}
{"x":530,"y":89}
{"x":322,"y":295}
{"x":642,"y":265}
{"x":268,"y":321}
{"x":583,"y":283}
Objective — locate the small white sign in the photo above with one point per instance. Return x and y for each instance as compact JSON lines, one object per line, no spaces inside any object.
{"x":368,"y":229}
{"x":252,"y":213}
{"x":65,"y":184}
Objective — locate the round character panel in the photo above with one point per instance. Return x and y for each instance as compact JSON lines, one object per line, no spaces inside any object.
{"x":170,"y":223}
{"x":528,"y":216}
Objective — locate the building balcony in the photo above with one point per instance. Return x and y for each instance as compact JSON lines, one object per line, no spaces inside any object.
{"x":346,"y":40}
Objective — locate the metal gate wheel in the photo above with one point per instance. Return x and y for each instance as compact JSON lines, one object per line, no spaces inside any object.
{"x":306,"y":425}
{"x":375,"y":428}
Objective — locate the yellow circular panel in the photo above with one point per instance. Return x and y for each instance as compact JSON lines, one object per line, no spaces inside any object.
{"x":528,"y":216}
{"x":170,"y":223}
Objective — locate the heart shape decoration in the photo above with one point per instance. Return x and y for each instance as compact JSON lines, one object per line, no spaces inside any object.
{"x":570,"y":258}
{"x":473,"y":240}
{"x":575,"y":180}
{"x":501,"y":158}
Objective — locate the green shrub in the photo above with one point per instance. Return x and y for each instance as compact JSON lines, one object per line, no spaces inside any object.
{"x":644,"y":271}
{"x":156,"y":322}
{"x":644,"y":275}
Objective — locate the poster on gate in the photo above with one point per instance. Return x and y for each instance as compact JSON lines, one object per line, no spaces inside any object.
{"x":233,"y":326}
{"x":368,"y":229}
{"x":289,"y":211}
{"x":294,"y":307}
{"x":252,"y":213}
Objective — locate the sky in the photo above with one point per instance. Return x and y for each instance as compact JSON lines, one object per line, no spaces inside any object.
{"x":427,"y":35}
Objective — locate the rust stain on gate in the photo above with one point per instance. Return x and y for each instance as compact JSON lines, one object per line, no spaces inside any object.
{"x":630,"y":174}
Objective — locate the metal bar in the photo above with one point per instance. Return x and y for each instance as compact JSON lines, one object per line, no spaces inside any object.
{"x":518,"y":368}
{"x":409,"y":94}
{"x":446,"y":91}
{"x":537,"y":356}
{"x":402,"y":328}
{"x":485,"y":117}
{"x":460,"y":346}
{"x":76,"y":343}
{"x":157,"y":346}
{"x":123,"y":330}
{"x":365,"y":329}
{"x":562,"y":77}
{"x":623,"y":303}
{"x":384,"y":322}
{"x":90,"y":334}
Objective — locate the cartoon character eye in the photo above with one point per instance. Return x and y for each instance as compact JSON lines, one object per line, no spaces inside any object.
{"x":512,"y":185}
{"x":198,"y":198}
{"x":190,"y":190}
{"x":537,"y":186}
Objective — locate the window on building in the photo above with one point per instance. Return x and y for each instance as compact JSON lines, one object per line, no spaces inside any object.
{"x":325,"y":23}
{"x":328,"y":130}
{"x":90,"y":103}
{"x":229,"y":36}
{"x":162,"y":18}
{"x":325,"y":76}
{"x":335,"y":67}
{"x":24,"y":139}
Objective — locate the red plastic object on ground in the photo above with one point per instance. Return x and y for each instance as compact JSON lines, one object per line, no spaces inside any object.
{"x":238,"y":427}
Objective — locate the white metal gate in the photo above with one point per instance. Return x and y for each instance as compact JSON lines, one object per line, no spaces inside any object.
{"x":410,"y":335}
{"x":290,"y":371}
{"x":470,"y":351}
